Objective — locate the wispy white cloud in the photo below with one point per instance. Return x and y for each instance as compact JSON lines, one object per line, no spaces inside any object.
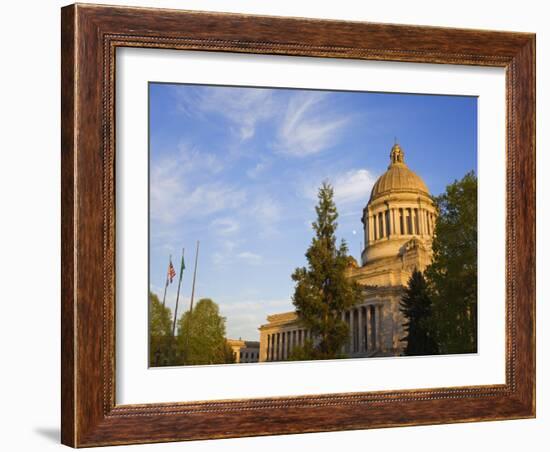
{"x":172,"y":196}
{"x":244,"y":317}
{"x":349,"y":187}
{"x":266,"y":209}
{"x":226,"y":250}
{"x":308,"y":127}
{"x":266,"y":212}
{"x":225,"y":226}
{"x":257,"y":170}
{"x":249,"y":258}
{"x":170,"y":201}
{"x":244,"y":108}
{"x":352,"y":186}
{"x":228,"y":256}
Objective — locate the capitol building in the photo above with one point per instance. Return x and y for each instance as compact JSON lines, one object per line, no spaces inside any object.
{"x":398,"y":224}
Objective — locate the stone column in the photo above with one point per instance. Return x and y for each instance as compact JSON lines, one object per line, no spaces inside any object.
{"x":360,"y":330}
{"x":367,"y":328}
{"x":286,"y":344}
{"x":368,"y":229}
{"x":289,"y":346}
{"x":268,"y":347}
{"x":372,"y":325}
{"x":351,"y":331}
{"x":288,"y":337}
{"x":379,"y":326}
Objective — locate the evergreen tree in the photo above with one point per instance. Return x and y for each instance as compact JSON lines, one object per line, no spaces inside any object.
{"x":416,"y":308}
{"x":201,"y":336}
{"x":322,"y":290}
{"x":452,"y":276}
{"x":161,"y":350}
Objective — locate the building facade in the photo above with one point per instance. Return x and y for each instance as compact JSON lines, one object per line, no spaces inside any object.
{"x":398,"y":225}
{"x":245,"y":351}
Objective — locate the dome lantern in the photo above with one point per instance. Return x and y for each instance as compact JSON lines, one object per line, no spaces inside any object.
{"x":397,"y":155}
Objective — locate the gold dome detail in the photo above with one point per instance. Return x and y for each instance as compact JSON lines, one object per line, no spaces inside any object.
{"x":398,"y":177}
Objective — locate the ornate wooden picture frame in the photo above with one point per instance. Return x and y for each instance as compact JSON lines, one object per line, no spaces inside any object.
{"x":90,"y":37}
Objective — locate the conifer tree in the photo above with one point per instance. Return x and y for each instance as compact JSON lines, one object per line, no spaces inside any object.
{"x":416,"y":308}
{"x":322,"y":291}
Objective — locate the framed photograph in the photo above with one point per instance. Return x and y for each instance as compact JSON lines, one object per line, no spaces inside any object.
{"x":281,"y":225}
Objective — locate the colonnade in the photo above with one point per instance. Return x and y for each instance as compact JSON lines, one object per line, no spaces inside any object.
{"x":365,"y":329}
{"x":280,"y":344}
{"x":365,"y":334}
{"x":389,"y":220}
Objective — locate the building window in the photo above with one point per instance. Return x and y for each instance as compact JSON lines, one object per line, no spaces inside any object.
{"x":387,"y":214}
{"x":416,"y":222}
{"x":401,"y":228}
{"x":380,"y":226}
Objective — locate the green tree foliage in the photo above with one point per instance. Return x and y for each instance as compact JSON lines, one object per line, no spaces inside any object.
{"x":302,"y":352}
{"x":161,"y":346}
{"x":201,"y":336}
{"x":322,"y":291}
{"x":416,"y":308}
{"x":452,"y":276}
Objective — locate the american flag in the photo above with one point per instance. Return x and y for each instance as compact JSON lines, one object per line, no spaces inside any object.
{"x":171,"y":272}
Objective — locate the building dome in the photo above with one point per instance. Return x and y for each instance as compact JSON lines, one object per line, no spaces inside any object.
{"x":400,"y":209}
{"x":398,"y":177}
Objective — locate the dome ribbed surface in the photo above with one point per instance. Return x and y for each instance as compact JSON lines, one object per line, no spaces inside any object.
{"x":398,"y":178}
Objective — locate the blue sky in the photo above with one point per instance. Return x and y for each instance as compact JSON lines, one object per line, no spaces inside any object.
{"x":238,"y":169}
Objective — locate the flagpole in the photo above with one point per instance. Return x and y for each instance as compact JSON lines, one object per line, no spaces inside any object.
{"x":194,"y":278}
{"x":178,"y":294}
{"x":166,"y":285}
{"x":191,"y":303}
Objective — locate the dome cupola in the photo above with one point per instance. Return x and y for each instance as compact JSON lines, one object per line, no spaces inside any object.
{"x":398,"y":177}
{"x":399,"y":210}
